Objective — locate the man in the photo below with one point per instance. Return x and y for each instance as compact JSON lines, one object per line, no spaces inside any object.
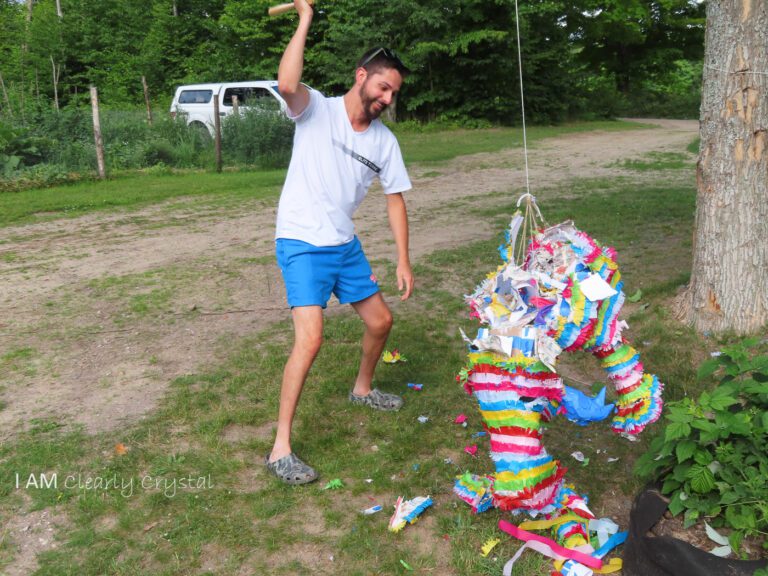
{"x":339,"y":148}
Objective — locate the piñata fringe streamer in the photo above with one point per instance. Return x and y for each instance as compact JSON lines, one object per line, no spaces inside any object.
{"x":475,"y":491}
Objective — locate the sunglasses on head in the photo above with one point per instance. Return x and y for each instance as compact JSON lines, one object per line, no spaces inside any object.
{"x":388,"y":54}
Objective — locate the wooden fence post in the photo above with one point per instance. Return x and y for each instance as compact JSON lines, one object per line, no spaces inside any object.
{"x":146,"y":99}
{"x":97,"y":133}
{"x":217,"y":131}
{"x":235,"y":105}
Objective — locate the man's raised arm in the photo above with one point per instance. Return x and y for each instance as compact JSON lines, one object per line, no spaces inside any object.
{"x":289,"y":83}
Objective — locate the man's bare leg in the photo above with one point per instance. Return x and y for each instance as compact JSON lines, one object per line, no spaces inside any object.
{"x":308,"y":330}
{"x":378,"y":321}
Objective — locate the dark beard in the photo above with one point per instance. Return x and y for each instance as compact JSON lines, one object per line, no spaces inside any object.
{"x":368,"y":103}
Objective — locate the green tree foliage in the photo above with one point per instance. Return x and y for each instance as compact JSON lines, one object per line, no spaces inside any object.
{"x":587,"y":56}
{"x":629,"y":39}
{"x":11,"y":36}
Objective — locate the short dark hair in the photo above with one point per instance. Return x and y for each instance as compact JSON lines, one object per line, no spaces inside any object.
{"x":375,"y":59}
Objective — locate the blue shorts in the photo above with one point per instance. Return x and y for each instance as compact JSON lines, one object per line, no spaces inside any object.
{"x":312,"y":273}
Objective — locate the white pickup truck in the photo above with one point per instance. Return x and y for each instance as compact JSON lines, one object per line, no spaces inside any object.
{"x":195,"y":101}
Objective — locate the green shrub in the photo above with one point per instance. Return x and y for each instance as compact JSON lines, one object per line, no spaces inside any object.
{"x":712,"y":458}
{"x":598,"y":98}
{"x":191,"y":147}
{"x":66,"y":125}
{"x":70,"y":134}
{"x":60,"y":145}
{"x":256,"y":137}
{"x":19,"y":148}
{"x":38,"y":176}
{"x":77,"y":155}
{"x":158,"y":152}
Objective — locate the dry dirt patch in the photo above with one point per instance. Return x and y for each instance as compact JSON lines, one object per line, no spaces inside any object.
{"x":89,"y":357}
{"x":30,"y":534}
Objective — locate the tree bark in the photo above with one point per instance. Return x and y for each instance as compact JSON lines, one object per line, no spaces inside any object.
{"x":729,"y":278}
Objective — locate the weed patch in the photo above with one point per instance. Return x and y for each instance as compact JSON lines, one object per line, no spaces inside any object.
{"x":658,"y":161}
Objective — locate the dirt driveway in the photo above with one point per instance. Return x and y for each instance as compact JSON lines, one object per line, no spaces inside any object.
{"x":99,"y":313}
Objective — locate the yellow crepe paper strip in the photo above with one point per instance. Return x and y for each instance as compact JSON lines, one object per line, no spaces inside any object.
{"x":488,"y":546}
{"x":491,"y":416}
{"x":500,"y":360}
{"x":544,"y":524}
{"x":614,"y":565}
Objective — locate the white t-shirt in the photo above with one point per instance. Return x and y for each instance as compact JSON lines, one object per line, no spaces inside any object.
{"x":331,"y":168}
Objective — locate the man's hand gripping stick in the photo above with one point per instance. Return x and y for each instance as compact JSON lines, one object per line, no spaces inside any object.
{"x":283,"y":8}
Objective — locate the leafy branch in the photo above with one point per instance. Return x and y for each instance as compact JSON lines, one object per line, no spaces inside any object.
{"x":711,"y":458}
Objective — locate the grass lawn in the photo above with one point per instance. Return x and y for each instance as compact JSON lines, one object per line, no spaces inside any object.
{"x":134,"y":191}
{"x":214,"y":427}
{"x":430,"y":146}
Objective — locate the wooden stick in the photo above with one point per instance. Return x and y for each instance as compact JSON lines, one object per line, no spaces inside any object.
{"x":283,"y":8}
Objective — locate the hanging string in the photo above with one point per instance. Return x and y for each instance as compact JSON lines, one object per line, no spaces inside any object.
{"x":532,"y":218}
{"x":522,"y":98}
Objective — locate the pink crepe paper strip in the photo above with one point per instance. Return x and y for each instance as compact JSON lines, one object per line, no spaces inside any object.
{"x":460,"y":419}
{"x":560,"y":551}
{"x":471,"y":450}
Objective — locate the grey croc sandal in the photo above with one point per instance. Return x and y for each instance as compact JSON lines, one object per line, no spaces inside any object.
{"x":291,"y":470}
{"x":378,"y":400}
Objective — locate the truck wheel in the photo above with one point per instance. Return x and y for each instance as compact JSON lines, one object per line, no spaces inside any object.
{"x":201,"y":131}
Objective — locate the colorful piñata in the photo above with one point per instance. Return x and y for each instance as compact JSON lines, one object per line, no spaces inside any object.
{"x":566,"y":295}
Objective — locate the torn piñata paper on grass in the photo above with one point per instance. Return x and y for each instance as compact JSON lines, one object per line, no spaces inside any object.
{"x":393,"y":357}
{"x":408,"y":511}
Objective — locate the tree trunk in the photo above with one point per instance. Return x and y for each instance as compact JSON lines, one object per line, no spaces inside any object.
{"x":390,"y":112}
{"x":729,"y":279}
{"x":97,"y":133}
{"x":5,"y":95}
{"x":59,"y":13}
{"x":56,"y":72}
{"x":146,"y":99}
